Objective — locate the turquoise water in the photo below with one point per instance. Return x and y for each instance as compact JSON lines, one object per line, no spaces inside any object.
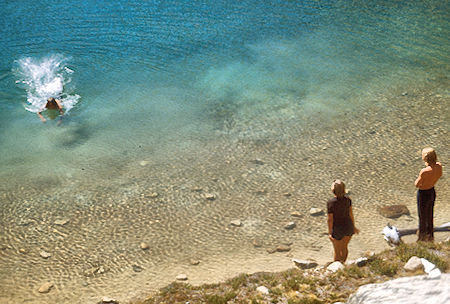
{"x":161,"y":69}
{"x":247,"y":100}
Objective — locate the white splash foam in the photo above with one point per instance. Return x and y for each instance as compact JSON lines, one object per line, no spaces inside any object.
{"x":43,"y":78}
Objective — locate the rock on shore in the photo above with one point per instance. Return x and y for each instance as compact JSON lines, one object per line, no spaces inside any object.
{"x":411,"y":290}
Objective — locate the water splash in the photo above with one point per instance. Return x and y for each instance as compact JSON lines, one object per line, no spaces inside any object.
{"x":43,"y":78}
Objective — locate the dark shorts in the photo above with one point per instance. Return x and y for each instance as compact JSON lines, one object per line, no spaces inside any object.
{"x":339,"y":231}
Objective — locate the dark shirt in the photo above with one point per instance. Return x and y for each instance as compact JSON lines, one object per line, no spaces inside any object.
{"x":340,"y":208}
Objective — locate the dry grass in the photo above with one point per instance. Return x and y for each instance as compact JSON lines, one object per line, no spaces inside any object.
{"x":295,"y":286}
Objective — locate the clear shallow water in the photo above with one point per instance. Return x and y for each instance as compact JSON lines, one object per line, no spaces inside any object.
{"x":181,"y":99}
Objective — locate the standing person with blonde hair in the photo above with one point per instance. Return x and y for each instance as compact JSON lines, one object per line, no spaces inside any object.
{"x":341,"y":223}
{"x":426,"y":194}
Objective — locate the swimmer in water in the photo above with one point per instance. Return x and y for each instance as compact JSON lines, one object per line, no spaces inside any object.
{"x":54,"y":109}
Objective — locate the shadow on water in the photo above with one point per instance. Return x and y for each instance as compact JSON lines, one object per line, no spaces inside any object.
{"x":222,"y":110}
{"x":74,"y":134}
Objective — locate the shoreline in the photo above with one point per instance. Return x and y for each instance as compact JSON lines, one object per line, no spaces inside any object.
{"x":164,"y":203}
{"x":292,"y":283}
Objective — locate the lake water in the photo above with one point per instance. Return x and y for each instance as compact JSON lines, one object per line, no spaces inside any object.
{"x":182,"y":116}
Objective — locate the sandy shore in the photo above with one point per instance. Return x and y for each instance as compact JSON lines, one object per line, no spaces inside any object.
{"x":181,"y":204}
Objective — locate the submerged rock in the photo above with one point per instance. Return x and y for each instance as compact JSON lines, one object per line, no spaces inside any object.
{"x":108,"y":300}
{"x":61,"y":222}
{"x":393,"y":211}
{"x":290,"y":226}
{"x":236,"y":223}
{"x":143,"y":163}
{"x":257,"y":243}
{"x":210,"y":196}
{"x":194,"y":262}
{"x":316,"y":211}
{"x":152,"y":195}
{"x":182,"y":277}
{"x":45,"y":254}
{"x":137,"y":268}
{"x":305,"y":264}
{"x":283,"y":248}
{"x":144,"y":246}
{"x":94,"y":271}
{"x":257,"y":161}
{"x":45,"y":288}
{"x":296,"y":214}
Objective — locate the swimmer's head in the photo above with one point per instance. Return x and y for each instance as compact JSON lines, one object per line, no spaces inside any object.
{"x":429,"y":156}
{"x":51,"y":100}
{"x":338,"y":188}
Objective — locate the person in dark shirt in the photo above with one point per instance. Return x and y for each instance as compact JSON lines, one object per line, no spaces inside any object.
{"x":341,"y":223}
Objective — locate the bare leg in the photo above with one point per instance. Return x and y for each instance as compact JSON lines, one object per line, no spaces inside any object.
{"x":345,"y":241}
{"x":337,"y":250}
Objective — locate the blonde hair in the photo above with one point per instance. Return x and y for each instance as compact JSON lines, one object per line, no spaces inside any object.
{"x":338,"y":188}
{"x":429,"y":156}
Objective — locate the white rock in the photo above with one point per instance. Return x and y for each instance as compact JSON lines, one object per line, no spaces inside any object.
{"x":143,"y":163}
{"x":182,"y":277}
{"x":413,"y":264}
{"x":305,"y":264}
{"x":315,"y":211}
{"x":263,"y":289}
{"x":434,"y":274}
{"x":410,"y":290}
{"x":427,"y":265}
{"x":335,"y":266}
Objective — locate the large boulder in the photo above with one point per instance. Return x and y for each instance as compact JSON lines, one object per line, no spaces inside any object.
{"x":411,"y":290}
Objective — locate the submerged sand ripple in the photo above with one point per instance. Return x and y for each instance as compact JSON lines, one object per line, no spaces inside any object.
{"x":114,"y":205}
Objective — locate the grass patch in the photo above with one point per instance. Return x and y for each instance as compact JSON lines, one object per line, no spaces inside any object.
{"x":353,"y":271}
{"x":305,"y":300}
{"x":421,"y":250}
{"x":220,"y":299}
{"x":383,"y":267}
{"x":295,"y":279}
{"x":238,"y":282}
